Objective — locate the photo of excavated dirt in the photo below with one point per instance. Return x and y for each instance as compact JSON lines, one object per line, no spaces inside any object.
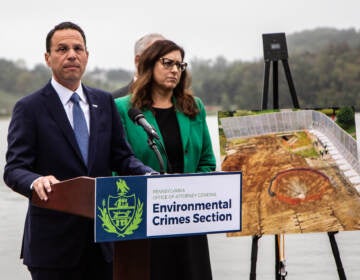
{"x":291,"y":185}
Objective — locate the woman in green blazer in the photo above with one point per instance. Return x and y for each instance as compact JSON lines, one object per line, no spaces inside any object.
{"x":162,"y":92}
{"x":197,"y":149}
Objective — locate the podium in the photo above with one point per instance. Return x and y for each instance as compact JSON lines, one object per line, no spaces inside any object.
{"x":130,"y":210}
{"x":77,"y":196}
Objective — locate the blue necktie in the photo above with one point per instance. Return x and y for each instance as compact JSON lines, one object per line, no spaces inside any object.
{"x":80,"y":127}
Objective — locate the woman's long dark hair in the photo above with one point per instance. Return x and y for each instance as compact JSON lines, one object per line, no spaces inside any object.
{"x":142,"y":87}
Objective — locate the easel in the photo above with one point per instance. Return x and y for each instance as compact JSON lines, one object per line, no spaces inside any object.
{"x":275,"y":49}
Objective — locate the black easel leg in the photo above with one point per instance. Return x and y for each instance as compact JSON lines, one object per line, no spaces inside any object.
{"x":266,"y":85}
{"x":336,"y":254}
{"x":254,"y":251}
{"x":275,"y":85}
{"x":290,"y":84}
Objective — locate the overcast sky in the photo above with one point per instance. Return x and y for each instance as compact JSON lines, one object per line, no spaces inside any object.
{"x":205,"y":28}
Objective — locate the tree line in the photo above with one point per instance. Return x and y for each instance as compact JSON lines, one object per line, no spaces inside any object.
{"x":324,"y":64}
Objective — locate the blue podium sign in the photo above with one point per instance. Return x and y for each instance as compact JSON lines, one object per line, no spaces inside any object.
{"x":141,"y":207}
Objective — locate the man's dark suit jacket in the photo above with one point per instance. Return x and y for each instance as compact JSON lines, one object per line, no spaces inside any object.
{"x":41,"y":142}
{"x":122,"y":91}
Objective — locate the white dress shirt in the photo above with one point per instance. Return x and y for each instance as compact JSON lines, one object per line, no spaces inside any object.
{"x":65,"y":95}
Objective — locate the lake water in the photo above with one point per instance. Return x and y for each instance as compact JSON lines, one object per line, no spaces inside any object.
{"x":308,"y":256}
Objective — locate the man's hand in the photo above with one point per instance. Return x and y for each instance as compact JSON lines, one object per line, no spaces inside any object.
{"x":42,"y":186}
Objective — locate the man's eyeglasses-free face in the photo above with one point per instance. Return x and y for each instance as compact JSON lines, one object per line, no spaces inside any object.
{"x":169,"y":64}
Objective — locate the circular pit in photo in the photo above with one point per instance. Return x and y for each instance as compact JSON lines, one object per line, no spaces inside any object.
{"x":299,"y":185}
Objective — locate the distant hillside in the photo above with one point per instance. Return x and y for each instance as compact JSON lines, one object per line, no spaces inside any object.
{"x":16,"y":81}
{"x":325,"y":65}
{"x":315,"y":40}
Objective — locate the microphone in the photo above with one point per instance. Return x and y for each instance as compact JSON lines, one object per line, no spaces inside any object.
{"x":137,"y":117}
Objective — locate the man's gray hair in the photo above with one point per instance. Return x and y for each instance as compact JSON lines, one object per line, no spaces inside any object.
{"x":144,"y":42}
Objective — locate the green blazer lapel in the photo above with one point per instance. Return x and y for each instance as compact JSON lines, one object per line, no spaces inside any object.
{"x":184,"y":125}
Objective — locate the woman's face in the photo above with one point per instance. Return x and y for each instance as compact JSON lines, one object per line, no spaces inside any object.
{"x":167,"y":70}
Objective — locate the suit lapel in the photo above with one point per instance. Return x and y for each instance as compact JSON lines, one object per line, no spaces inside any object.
{"x":56,"y":110}
{"x":95,"y":110}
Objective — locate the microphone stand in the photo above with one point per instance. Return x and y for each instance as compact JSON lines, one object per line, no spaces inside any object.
{"x":153,"y":146}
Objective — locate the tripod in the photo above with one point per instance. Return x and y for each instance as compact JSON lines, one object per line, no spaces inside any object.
{"x":276,"y":85}
{"x":275,"y":49}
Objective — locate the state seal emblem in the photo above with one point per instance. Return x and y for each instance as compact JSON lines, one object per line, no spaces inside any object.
{"x":121,"y":214}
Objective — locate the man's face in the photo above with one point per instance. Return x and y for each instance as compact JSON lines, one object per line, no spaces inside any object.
{"x":67,"y":57}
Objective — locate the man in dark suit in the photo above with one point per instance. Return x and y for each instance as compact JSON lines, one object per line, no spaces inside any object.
{"x":43,"y":150}
{"x":140,"y":46}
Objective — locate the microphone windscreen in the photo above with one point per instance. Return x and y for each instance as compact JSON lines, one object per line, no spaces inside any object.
{"x":133,"y":113}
